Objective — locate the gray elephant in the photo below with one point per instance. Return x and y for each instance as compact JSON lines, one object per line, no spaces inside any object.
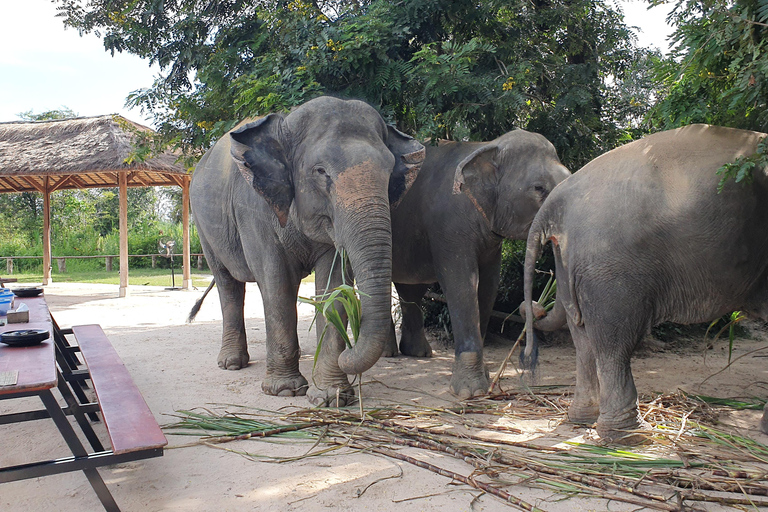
{"x":467,"y":198}
{"x":274,"y":199}
{"x":641,"y":236}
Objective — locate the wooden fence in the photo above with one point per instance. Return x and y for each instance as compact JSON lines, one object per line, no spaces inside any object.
{"x":61,"y":261}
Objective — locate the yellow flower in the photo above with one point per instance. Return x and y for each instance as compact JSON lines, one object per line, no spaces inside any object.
{"x":509,"y":84}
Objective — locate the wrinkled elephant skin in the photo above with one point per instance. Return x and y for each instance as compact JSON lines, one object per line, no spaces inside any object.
{"x":273,"y":200}
{"x":449,"y":229}
{"x":641,"y":236}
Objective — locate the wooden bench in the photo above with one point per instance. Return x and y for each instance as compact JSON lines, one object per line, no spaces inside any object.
{"x":130,"y":424}
{"x":4,"y":280}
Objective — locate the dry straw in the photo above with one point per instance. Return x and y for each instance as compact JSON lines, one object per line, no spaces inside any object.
{"x":691,"y":459}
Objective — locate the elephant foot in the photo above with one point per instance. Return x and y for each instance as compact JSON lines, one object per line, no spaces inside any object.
{"x":284,"y":386}
{"x":332,"y":396}
{"x":415,"y":344}
{"x":583,"y":415}
{"x":623,"y":437}
{"x":764,"y":421}
{"x":470,"y":376}
{"x":630,"y":430}
{"x":390,"y":348}
{"x":233,"y":358}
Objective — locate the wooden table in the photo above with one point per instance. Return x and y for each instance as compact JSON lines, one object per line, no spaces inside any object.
{"x":55,"y":364}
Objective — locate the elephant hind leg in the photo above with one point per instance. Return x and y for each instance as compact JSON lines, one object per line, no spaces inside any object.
{"x":413,"y":341}
{"x":619,"y":420}
{"x":234,"y":347}
{"x":585,"y":407}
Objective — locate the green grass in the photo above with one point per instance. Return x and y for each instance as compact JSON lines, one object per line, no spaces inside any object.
{"x":136,"y":277}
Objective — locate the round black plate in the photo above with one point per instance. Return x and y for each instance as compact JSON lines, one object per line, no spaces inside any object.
{"x":24,"y":337}
{"x":27,"y":292}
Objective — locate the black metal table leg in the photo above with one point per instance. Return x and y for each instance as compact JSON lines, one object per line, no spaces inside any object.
{"x":58,"y":416}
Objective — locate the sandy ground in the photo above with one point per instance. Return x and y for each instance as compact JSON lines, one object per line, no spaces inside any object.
{"x":174,"y":365}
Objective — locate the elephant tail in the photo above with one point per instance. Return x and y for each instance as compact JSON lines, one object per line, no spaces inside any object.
{"x":199,"y":303}
{"x":529,"y":357}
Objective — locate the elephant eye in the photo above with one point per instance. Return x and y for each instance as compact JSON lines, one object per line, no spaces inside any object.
{"x":540,"y":189}
{"x":321,"y":170}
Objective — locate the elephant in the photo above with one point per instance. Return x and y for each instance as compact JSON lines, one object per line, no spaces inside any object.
{"x":274,"y":199}
{"x":449,"y":228}
{"x":641,"y":236}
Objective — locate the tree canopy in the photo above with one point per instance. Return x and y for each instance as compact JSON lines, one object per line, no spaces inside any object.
{"x":718,"y":73}
{"x":569,"y":69}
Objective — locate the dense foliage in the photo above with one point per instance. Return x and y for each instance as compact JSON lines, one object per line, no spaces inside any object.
{"x":568,"y":69}
{"x":719,"y":71}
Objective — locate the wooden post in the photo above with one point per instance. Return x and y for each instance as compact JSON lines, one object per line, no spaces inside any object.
{"x":9,"y":265}
{"x":123,"y":182}
{"x":108,"y":263}
{"x":62,"y":263}
{"x":154,"y":261}
{"x":47,"y":232}
{"x":185,"y":265}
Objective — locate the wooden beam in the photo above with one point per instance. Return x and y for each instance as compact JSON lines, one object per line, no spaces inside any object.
{"x":40,"y":187}
{"x":123,"y":201}
{"x":66,"y":180}
{"x":185,"y":265}
{"x":11,"y":184}
{"x":179,"y":180}
{"x":46,"y":233}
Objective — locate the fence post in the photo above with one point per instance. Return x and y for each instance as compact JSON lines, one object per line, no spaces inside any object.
{"x":154,"y":260}
{"x":9,"y":265}
{"x":62,"y":264}
{"x":199,"y":262}
{"x":108,"y":263}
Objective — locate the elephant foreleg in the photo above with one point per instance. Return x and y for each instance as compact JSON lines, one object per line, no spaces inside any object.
{"x":470,"y":375}
{"x":330,"y":386}
{"x":487,"y":287}
{"x":283,"y":377}
{"x":413,"y":341}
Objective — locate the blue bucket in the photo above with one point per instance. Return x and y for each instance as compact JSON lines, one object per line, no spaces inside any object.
{"x":5,"y":304}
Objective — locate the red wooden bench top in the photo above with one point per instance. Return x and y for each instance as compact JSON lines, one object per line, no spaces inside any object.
{"x":130,"y":424}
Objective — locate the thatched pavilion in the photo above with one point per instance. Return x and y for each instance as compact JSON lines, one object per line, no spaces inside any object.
{"x":86,"y":152}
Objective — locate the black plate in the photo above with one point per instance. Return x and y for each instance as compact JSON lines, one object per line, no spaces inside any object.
{"x":27,"y":292}
{"x":24,"y":337}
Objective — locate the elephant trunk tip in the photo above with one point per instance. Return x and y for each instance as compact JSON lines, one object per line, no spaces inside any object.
{"x":353,"y":362}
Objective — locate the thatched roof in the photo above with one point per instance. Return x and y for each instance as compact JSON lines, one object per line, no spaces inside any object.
{"x":84,"y":152}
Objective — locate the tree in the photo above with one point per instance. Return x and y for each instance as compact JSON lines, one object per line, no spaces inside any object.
{"x":48,"y":115}
{"x":437,"y":68}
{"x":718,"y":73}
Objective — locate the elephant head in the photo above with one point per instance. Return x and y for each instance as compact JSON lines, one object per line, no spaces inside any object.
{"x":507,"y":180}
{"x":333,"y":168}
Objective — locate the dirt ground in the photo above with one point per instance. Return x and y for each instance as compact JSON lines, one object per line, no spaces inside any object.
{"x":174,"y":365}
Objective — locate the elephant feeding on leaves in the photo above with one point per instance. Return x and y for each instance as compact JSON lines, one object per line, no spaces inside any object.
{"x":275,"y":198}
{"x":449,"y":228}
{"x":641,"y":236}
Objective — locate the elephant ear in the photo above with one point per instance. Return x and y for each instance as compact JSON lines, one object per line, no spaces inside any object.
{"x":475,"y":174}
{"x":409,"y":155}
{"x":260,"y":150}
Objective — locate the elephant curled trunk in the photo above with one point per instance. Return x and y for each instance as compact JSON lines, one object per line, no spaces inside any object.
{"x":371,"y":260}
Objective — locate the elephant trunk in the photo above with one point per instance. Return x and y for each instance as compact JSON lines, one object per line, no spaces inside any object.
{"x":370,"y":255}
